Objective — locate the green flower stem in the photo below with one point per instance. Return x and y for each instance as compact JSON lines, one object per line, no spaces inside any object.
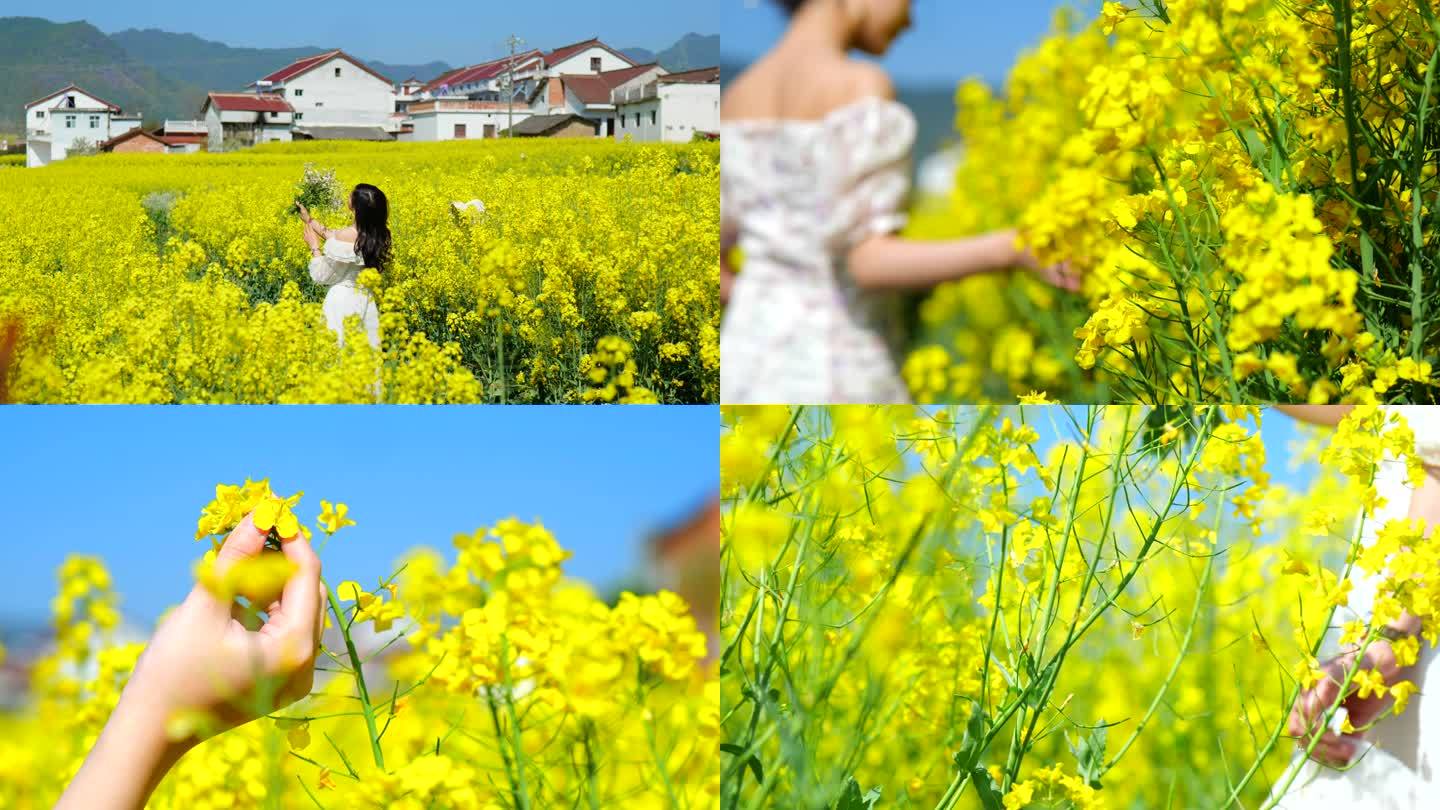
{"x":356,"y":669}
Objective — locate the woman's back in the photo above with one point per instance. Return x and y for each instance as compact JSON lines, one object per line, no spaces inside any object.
{"x":813,"y":166}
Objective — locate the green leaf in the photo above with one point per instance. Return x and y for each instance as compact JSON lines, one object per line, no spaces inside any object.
{"x":851,"y":798}
{"x":1367,"y":256}
{"x":753,"y":762}
{"x":1090,"y":755}
{"x":972,"y":740}
{"x":990,"y":798}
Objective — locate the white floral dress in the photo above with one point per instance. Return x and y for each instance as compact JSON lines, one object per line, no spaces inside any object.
{"x":1402,"y":771}
{"x":338,"y":267}
{"x":800,"y":195}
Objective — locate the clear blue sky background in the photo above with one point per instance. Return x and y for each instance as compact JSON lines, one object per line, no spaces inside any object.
{"x":128,"y":484}
{"x":950,"y":39}
{"x":456,"y":31}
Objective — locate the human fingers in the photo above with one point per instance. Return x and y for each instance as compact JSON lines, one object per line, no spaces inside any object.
{"x":292,"y":631}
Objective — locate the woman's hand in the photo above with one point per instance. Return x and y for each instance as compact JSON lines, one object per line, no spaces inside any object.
{"x":304,"y":212}
{"x":204,"y":663}
{"x":1063,"y":276}
{"x":1308,"y":713}
{"x":311,"y":238}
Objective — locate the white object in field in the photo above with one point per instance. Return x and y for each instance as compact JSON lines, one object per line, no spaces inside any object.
{"x":1375,"y":780}
{"x":474,"y":205}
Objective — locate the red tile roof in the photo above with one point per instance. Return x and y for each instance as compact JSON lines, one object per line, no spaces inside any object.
{"x":249,"y":102}
{"x":561,"y":54}
{"x":309,"y":63}
{"x":178,"y":140}
{"x":710,"y":75}
{"x":594,"y":88}
{"x":67,"y":88}
{"x":125,"y":136}
{"x":480,"y":72}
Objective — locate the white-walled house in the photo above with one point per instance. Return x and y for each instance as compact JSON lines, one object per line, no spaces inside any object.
{"x":247,"y":118}
{"x":54,"y":123}
{"x":334,"y":90}
{"x":672,"y":107}
{"x":472,"y":102}
{"x":589,"y":95}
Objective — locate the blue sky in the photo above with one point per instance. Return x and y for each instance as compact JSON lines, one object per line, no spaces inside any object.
{"x":456,"y":31}
{"x":950,"y":40}
{"x":128,"y":484}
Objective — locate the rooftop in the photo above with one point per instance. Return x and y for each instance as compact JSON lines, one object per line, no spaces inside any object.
{"x":249,"y":102}
{"x":309,"y":63}
{"x":594,"y":88}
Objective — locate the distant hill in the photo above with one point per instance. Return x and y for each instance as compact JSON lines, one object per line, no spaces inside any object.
{"x":38,"y":57}
{"x":217,"y":66}
{"x":691,"y":52}
{"x":639,"y":56}
{"x":166,"y":75}
{"x":157,"y":73}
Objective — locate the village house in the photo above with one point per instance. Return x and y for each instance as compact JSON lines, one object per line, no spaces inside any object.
{"x":173,"y":138}
{"x":246,"y":119}
{"x":335,"y":95}
{"x":67,"y":118}
{"x":589,"y":95}
{"x":671,"y":107}
{"x":488,"y":99}
{"x":472,"y":102}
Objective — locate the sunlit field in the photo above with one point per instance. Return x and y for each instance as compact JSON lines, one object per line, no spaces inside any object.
{"x":589,"y":276}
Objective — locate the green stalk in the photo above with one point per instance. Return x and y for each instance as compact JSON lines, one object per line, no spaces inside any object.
{"x":356,"y":665}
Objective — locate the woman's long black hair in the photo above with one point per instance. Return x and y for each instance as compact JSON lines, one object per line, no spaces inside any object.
{"x":372,"y":217}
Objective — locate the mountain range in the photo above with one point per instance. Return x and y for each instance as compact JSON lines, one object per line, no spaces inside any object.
{"x":163,"y":75}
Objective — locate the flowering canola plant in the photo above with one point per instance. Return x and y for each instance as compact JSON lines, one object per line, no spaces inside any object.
{"x":1249,"y":187}
{"x":939,"y":608}
{"x":183,"y":278}
{"x":490,"y":683}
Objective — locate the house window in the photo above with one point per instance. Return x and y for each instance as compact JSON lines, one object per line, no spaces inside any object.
{"x":94,"y":122}
{"x":595,"y":64}
{"x":637,"y":119}
{"x":460,"y":131}
{"x":319,"y":104}
{"x":489,"y":130}
{"x":299,"y":92}
{"x":39,"y":113}
{"x":337,"y":73}
{"x":652,"y":118}
{"x":299,"y":116}
{"x":273,"y":114}
{"x":70,"y":101}
{"x":69,"y":122}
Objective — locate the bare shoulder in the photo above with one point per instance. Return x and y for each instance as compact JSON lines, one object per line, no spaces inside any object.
{"x":861,"y":79}
{"x":743,"y":98}
{"x":346,"y":234}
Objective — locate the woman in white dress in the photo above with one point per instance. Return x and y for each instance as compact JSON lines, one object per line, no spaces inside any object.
{"x":1395,"y":765}
{"x":347,"y":251}
{"x":816,"y":156}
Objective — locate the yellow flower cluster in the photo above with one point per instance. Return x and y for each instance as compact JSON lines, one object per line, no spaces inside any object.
{"x":1234,"y":179}
{"x":581,"y":703}
{"x":934,"y":603}
{"x":145,"y":279}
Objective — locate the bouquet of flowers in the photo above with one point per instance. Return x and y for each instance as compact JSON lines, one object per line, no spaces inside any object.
{"x":318,"y":190}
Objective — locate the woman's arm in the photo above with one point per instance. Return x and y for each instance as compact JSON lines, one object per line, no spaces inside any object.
{"x":1324,"y":415}
{"x":202,"y":660}
{"x":890,"y":262}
